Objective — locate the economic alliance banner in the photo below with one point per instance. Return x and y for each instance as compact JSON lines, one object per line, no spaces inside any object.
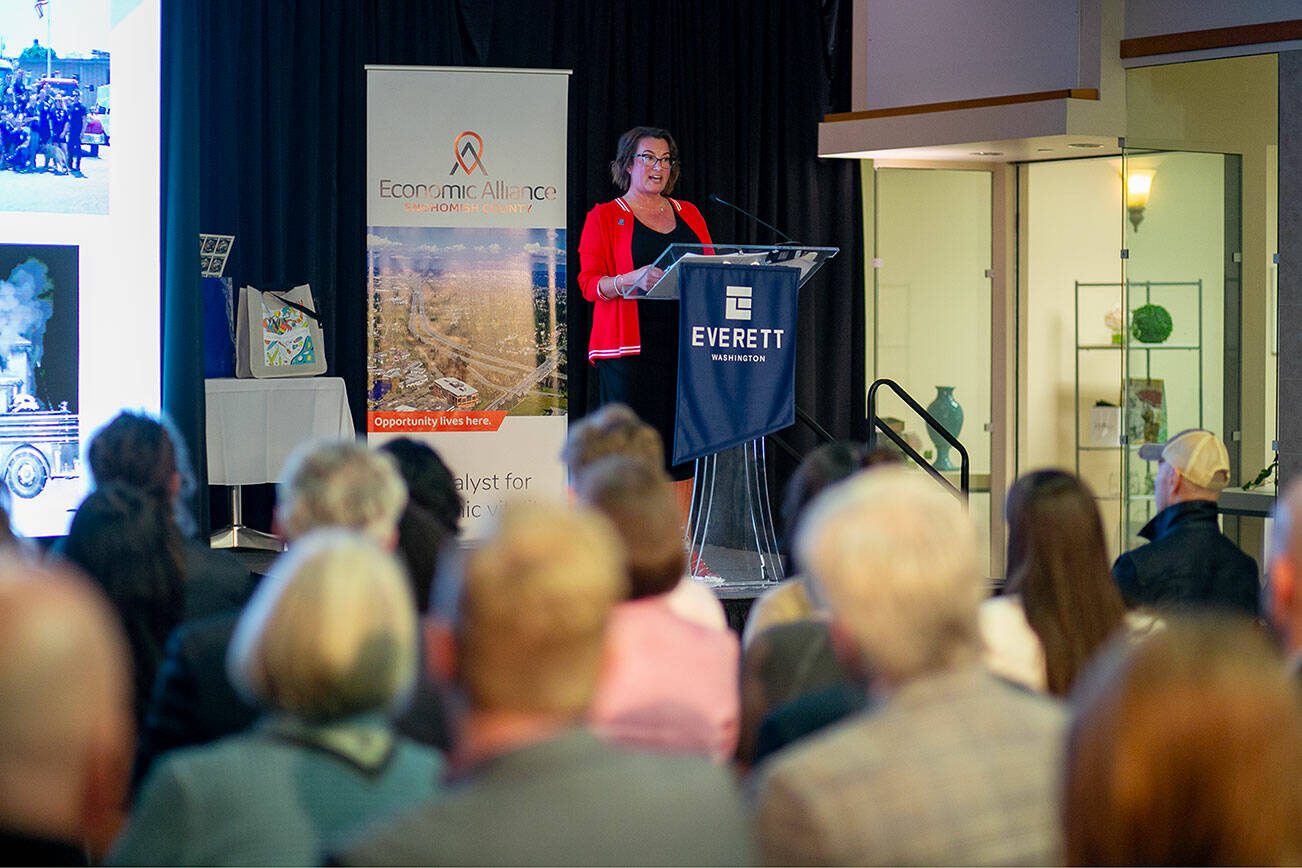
{"x":465,"y":264}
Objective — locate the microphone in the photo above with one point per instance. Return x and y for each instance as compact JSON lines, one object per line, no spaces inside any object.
{"x":784,"y":236}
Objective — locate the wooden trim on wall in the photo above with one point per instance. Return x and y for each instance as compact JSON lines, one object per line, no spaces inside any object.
{"x":1219,"y":37}
{"x":956,"y":105}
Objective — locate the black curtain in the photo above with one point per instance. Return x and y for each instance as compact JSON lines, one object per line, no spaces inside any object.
{"x":741,"y":83}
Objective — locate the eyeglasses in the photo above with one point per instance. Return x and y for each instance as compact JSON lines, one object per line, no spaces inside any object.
{"x":651,"y":160}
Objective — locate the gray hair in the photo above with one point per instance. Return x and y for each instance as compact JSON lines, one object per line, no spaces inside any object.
{"x":330,"y":632}
{"x":895,"y":556}
{"x":344,"y":485}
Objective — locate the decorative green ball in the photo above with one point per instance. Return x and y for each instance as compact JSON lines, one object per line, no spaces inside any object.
{"x":1151,"y":324}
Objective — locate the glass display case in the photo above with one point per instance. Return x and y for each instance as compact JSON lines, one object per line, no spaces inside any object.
{"x":1158,"y":345}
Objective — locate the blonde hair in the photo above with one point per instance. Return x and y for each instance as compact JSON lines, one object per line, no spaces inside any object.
{"x":341,"y":484}
{"x":895,"y":556}
{"x":330,"y":632}
{"x":534,"y":602}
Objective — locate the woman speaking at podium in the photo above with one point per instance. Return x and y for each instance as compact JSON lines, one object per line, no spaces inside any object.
{"x":634,"y":344}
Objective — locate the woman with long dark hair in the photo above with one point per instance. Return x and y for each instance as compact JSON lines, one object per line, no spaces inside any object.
{"x":1059,"y":603}
{"x":124,"y":541}
{"x":146,"y":453}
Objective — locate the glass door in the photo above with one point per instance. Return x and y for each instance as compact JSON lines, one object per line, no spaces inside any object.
{"x":1072,"y":359}
{"x":932,"y":325}
{"x":1181,"y":270}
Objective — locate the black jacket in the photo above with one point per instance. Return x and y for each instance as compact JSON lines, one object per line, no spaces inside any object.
{"x":1188,"y":563}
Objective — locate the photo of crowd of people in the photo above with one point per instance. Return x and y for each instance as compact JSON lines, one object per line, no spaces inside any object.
{"x":42,"y":123}
{"x":55,"y":74}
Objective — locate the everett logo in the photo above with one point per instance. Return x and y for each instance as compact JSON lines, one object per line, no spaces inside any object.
{"x":468,"y":144}
{"x":737,"y":303}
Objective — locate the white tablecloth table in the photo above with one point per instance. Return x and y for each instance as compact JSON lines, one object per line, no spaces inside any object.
{"x":254,"y":425}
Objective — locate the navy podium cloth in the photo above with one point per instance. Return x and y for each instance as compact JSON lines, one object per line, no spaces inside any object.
{"x":736,"y":355}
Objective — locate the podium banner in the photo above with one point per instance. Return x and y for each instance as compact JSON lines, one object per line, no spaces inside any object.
{"x":466,"y":275}
{"x":736,"y":355}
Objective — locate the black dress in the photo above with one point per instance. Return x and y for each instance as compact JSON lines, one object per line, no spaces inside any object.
{"x":648,"y":382}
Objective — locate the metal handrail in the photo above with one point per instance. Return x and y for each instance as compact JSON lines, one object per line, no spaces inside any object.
{"x":819,"y":431}
{"x":964,"y":474}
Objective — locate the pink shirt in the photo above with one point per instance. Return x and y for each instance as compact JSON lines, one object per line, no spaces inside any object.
{"x":667,"y":683}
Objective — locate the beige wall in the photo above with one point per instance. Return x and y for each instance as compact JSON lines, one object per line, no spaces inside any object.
{"x":930,"y":306}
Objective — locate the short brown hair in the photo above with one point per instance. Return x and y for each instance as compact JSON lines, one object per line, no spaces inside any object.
{"x":1186,"y":749}
{"x":639,"y":501}
{"x":612,"y":430}
{"x":627,"y":149}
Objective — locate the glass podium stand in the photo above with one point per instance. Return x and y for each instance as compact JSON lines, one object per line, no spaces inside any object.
{"x":730,"y":536}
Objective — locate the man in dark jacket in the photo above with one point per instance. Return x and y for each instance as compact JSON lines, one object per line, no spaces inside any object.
{"x":76,"y":123}
{"x":1188,"y":562}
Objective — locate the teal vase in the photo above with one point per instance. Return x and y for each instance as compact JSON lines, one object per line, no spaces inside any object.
{"x":949,"y":414}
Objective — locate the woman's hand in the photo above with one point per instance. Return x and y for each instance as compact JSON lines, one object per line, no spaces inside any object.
{"x":643,"y":278}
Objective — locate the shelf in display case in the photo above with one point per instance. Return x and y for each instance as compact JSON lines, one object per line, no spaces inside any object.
{"x":1164,"y":369}
{"x":1133,"y":447}
{"x":1138,"y":347}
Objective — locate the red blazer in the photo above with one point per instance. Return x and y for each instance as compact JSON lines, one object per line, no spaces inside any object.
{"x":606,"y":249}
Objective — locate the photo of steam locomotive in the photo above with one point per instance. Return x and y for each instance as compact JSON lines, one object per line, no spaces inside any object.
{"x":39,"y":425}
{"x":36,"y":444}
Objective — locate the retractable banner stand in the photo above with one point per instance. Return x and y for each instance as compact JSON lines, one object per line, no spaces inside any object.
{"x":466,"y":275}
{"x":736,"y":355}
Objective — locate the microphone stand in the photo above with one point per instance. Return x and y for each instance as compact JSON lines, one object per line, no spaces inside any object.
{"x":742,"y":211}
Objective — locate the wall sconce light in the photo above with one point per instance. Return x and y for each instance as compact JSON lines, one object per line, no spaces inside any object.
{"x":1139,"y":183}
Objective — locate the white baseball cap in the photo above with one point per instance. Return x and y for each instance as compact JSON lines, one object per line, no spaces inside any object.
{"x":1197,"y":453}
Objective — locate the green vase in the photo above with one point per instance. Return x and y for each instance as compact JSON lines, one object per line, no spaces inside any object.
{"x":949,"y":414}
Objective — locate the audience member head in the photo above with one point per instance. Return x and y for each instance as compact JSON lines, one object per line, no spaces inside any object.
{"x":341,"y":485}
{"x":1185,"y":749}
{"x":1283,"y":597}
{"x":895,"y":557}
{"x":429,"y":521}
{"x":430,"y":484}
{"x":824,"y":466}
{"x":146,"y":453}
{"x":330,"y":632}
{"x":531,"y":611}
{"x":1192,"y":465}
{"x":65,"y":722}
{"x":122,"y":539}
{"x":638,"y":500}
{"x":1058,"y":563}
{"x":612,"y":430}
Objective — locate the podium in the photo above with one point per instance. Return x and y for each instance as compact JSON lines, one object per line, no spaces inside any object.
{"x":730,"y":535}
